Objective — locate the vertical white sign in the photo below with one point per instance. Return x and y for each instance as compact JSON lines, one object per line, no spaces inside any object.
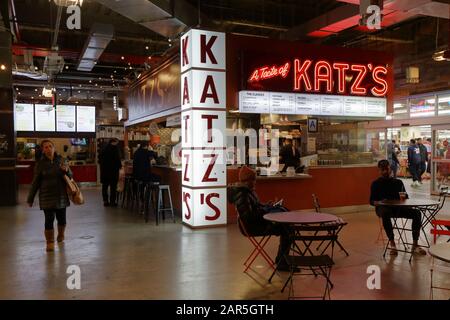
{"x":203,"y":124}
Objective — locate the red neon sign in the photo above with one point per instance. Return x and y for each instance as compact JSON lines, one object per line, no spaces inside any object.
{"x":323,"y":76}
{"x":267,"y":72}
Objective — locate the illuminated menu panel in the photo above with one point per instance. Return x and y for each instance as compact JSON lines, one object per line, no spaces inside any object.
{"x":24,"y":115}
{"x":85,"y":119}
{"x":311,"y":104}
{"x":45,"y":117}
{"x":65,"y":118}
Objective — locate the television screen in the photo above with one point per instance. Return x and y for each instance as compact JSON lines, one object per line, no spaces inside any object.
{"x":45,"y":117}
{"x":65,"y":118}
{"x":24,"y":117}
{"x":85,"y":119}
{"x":78,"y":141}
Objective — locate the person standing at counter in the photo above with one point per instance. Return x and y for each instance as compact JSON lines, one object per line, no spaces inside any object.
{"x":53,"y":200}
{"x":289,"y":155}
{"x":142,"y":164}
{"x":110,"y":165}
{"x":251,"y":212}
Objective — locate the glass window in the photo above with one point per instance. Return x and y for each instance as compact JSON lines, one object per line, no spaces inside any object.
{"x":422,"y":107}
{"x":400,"y":110}
{"x":444,"y":104}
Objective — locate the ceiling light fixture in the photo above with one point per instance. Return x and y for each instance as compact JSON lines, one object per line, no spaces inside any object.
{"x":443,"y":55}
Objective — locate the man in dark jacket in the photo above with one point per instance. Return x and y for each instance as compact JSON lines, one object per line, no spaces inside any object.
{"x":423,"y":159}
{"x":289,"y":155}
{"x":388,"y":188}
{"x":414,"y":162}
{"x":110,"y":165}
{"x":251,"y":212}
{"x":142,"y":165}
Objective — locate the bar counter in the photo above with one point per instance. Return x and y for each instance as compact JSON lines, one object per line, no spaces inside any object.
{"x":81,"y":173}
{"x":335,"y":186}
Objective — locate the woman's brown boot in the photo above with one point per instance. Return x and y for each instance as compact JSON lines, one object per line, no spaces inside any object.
{"x":50,"y":237}
{"x":61,"y":230}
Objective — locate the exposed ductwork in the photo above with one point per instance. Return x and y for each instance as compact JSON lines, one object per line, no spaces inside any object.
{"x":97,"y":41}
{"x":348,"y":16}
{"x":167,"y":18}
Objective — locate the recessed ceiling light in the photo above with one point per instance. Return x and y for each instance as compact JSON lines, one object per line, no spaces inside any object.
{"x":17,"y":88}
{"x":115,"y":71}
{"x":149,"y":58}
{"x":129,"y":64}
{"x":79,"y":85}
{"x":36,"y":68}
{"x":90,"y":81}
{"x":35,"y":90}
{"x":60,"y":94}
{"x":122,"y":57}
{"x":67,"y":67}
{"x":96,"y":84}
{"x":32,"y":97}
{"x":146,"y":47}
{"x":79,"y":91}
{"x":19,"y":92}
{"x":3,"y":67}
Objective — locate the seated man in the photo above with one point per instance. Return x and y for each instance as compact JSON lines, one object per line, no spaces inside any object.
{"x":251,"y":212}
{"x":388,"y":188}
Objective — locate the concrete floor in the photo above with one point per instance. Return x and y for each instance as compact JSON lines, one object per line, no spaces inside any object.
{"x":121,"y":257}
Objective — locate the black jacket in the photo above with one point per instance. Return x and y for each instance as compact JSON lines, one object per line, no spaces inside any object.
{"x":142,"y":164}
{"x":250,"y":210}
{"x":289,"y":157}
{"x":110,"y":164}
{"x":423,"y":153}
{"x":386,"y":189}
{"x":49,"y":180}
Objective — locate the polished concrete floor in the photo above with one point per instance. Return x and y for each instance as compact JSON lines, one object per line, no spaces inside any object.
{"x":121,"y":257}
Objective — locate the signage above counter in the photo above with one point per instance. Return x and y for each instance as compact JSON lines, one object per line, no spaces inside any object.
{"x":310,"y":104}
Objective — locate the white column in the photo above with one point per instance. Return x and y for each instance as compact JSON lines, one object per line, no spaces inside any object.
{"x":203,"y":124}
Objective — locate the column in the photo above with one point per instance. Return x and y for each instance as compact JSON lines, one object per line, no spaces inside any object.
{"x":8,"y":186}
{"x":203,"y":123}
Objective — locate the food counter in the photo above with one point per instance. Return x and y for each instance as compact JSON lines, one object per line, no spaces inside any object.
{"x":81,"y":173}
{"x":336,"y":186}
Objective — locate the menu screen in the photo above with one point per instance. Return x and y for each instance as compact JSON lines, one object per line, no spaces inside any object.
{"x":45,"y":117}
{"x":24,"y":117}
{"x":85,"y":119}
{"x":65,"y":118}
{"x":311,"y":104}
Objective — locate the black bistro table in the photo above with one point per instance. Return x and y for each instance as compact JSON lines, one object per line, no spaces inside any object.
{"x":428,"y":209}
{"x":293,"y":219}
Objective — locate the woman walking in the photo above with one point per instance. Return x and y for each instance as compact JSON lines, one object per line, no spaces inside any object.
{"x":49,"y":180}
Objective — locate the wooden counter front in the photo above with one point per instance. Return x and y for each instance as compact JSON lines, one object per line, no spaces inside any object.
{"x":335,"y":187}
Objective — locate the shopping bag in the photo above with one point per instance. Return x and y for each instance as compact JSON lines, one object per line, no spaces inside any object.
{"x":73,"y":191}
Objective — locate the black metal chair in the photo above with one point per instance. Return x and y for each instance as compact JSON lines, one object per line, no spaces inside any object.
{"x":341,"y":223}
{"x":302,"y":260}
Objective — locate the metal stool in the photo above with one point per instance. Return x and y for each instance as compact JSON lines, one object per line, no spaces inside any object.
{"x":160,"y":208}
{"x":150,"y":194}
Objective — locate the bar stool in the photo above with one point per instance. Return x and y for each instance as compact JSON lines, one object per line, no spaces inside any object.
{"x":150,"y":194}
{"x":161,"y":208}
{"x":127,"y":190}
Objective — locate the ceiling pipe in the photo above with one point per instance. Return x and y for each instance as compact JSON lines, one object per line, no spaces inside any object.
{"x":13,"y":21}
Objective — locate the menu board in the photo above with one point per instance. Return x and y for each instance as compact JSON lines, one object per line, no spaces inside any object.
{"x":311,"y":104}
{"x":254,"y":102}
{"x":24,"y":115}
{"x":307,"y":104}
{"x":282,"y":103}
{"x":332,"y":105}
{"x":85,"y":119}
{"x":45,"y":117}
{"x":65,"y":118}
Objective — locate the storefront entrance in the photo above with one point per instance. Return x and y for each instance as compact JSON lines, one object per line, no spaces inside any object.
{"x":440,"y":160}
